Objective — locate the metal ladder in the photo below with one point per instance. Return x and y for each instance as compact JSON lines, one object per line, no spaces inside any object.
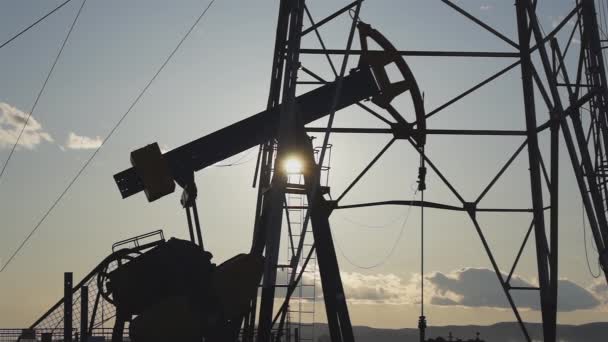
{"x":302,"y":306}
{"x":301,"y":311}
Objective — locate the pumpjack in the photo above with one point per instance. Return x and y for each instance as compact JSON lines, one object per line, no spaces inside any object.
{"x":172,"y":291}
{"x":177,"y":280}
{"x":191,"y":292}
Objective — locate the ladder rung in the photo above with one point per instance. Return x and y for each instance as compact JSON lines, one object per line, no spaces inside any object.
{"x":297,"y":207}
{"x":277,"y":285}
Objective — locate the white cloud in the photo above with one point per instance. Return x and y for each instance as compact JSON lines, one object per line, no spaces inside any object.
{"x":479,"y":287}
{"x":377,"y":289}
{"x":384,"y":288}
{"x":486,"y":7}
{"x":555,"y":21}
{"x":600,"y":289}
{"x":78,"y":142}
{"x":11,"y":123}
{"x":468,"y":287}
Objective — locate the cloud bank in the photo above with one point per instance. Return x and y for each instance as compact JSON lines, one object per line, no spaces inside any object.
{"x":468,"y":287}
{"x":478,"y":287}
{"x":11,"y":123}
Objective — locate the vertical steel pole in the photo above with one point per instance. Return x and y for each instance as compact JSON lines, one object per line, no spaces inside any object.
{"x":542,"y":253}
{"x":84,"y":313}
{"x":67,"y":306}
{"x":93,"y":313}
{"x":597,"y":76}
{"x":336,"y":308}
{"x":578,"y":172}
{"x":596,"y":68}
{"x":272,"y":208}
{"x":273,"y":238}
{"x":554,"y":224}
{"x":338,"y":318}
{"x":267,"y":151}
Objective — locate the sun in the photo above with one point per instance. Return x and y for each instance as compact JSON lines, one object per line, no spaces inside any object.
{"x":292,"y":165}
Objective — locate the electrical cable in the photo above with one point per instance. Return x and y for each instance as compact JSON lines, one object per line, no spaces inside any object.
{"x":388,"y":255}
{"x":371,"y":226}
{"x":48,"y":77}
{"x":86,"y":164}
{"x":33,"y":24}
{"x":599,"y":271}
{"x":238,"y":161}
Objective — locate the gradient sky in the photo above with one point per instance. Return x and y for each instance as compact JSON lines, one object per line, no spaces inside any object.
{"x":220,"y":76}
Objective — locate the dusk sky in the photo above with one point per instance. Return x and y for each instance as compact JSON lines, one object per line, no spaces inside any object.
{"x":221,"y":75}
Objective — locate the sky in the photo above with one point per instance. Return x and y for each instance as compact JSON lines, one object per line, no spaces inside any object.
{"x":219,"y":76}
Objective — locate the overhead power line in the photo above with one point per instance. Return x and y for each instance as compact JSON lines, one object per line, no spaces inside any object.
{"x":46,"y":81}
{"x":88,"y":162}
{"x":34,"y":24}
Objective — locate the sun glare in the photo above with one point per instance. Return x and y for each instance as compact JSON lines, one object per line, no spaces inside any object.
{"x":292,"y":165}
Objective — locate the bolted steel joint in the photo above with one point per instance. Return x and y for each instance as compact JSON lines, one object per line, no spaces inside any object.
{"x":471,"y":208}
{"x":402,"y":131}
{"x":555,"y":119}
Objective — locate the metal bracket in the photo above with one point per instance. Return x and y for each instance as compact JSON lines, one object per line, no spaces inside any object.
{"x":329,"y":206}
{"x":402,"y":131}
{"x":471,"y":208}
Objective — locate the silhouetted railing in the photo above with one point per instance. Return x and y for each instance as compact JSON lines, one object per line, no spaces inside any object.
{"x":14,"y":335}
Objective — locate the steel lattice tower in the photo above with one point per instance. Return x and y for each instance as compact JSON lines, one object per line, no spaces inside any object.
{"x":543,"y":68}
{"x":576,"y":99}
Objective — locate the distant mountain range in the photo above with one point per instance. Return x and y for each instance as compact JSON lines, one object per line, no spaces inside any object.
{"x":500,"y":332}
